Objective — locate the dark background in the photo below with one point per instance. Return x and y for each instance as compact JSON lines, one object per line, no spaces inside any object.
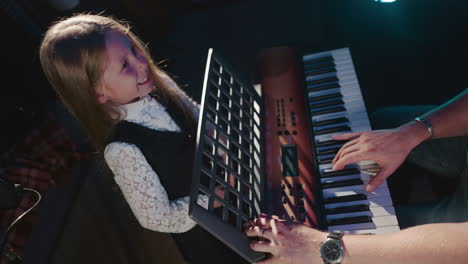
{"x":406,"y":52}
{"x":410,"y":52}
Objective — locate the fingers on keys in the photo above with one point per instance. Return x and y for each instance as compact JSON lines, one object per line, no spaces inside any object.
{"x":346,"y":136}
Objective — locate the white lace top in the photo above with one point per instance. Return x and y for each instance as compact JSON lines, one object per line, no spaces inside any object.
{"x":139,"y":182}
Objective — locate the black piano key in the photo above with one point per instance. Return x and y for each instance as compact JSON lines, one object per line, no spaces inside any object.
{"x":331,"y":142}
{"x":325,"y":160}
{"x":323,"y":87}
{"x":350,"y":220}
{"x":328,"y":111}
{"x":318,"y":72}
{"x":327,"y":103}
{"x":346,"y":198}
{"x":324,"y":97}
{"x":318,"y":60}
{"x":347,"y":209}
{"x":332,"y":130}
{"x":323,"y":80}
{"x":328,"y":151}
{"x":331,"y":121}
{"x":343,"y":183}
{"x":343,"y":172}
{"x":315,"y":66}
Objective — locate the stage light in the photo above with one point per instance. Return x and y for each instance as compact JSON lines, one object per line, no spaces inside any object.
{"x":385,"y":1}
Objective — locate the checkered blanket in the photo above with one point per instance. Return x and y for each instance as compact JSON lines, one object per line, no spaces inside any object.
{"x":43,"y":159}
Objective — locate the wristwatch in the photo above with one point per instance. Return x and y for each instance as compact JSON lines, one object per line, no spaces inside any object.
{"x":332,"y":250}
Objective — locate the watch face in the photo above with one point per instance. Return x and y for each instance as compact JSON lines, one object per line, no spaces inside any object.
{"x":331,"y":251}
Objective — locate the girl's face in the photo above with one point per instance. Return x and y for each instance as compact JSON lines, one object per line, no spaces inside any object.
{"x":126,"y":75}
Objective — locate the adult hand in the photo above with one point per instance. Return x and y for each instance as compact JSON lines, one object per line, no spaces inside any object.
{"x":388,"y":148}
{"x":286,"y":241}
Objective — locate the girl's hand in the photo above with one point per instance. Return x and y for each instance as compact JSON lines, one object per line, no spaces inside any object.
{"x":388,"y":148}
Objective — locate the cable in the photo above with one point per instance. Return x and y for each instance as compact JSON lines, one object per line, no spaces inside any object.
{"x":5,"y":236}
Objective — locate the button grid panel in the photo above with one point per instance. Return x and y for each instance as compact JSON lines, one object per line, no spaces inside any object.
{"x":228,"y":156}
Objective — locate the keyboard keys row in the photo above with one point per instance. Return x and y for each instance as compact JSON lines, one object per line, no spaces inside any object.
{"x":336,"y":107}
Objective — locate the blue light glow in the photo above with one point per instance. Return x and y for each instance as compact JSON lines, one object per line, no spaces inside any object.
{"x":385,"y":1}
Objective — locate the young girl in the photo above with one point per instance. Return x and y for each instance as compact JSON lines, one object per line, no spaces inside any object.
{"x":139,"y":118}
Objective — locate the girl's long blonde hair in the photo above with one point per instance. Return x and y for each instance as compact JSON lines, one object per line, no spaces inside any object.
{"x":72,"y":55}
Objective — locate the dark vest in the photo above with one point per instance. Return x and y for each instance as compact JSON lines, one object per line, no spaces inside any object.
{"x":171,"y":156}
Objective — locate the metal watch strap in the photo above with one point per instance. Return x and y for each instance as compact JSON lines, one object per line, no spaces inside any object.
{"x":336,"y":235}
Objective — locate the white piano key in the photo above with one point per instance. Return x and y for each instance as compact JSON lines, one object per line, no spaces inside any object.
{"x":340,"y":191}
{"x":361,"y":114}
{"x":336,"y":57}
{"x":326,"y":137}
{"x":340,"y":178}
{"x":344,"y":98}
{"x":347,"y":74}
{"x":375,"y":211}
{"x":383,"y":185}
{"x":328,"y":166}
{"x":314,"y":94}
{"x":339,"y":67}
{"x":347,"y":87}
{"x":334,"y":53}
{"x":365,"y":180}
{"x":364,"y":174}
{"x":382,"y":190}
{"x":328,"y":169}
{"x":326,"y":156}
{"x":323,"y":167}
{"x":353,"y":104}
{"x":376,"y":231}
{"x":359,"y":119}
{"x":377,"y":222}
{"x":314,"y":103}
{"x":371,"y":201}
{"x":385,"y":221}
{"x":318,"y":128}
{"x":340,"y":64}
{"x":344,"y":67}
{"x":337,"y":53}
{"x":361,"y":126}
{"x":326,"y":148}
{"x":358,"y":115}
{"x":354,"y":124}
{"x":351,"y":124}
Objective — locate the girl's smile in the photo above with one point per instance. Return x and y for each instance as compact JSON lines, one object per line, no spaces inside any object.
{"x":126,"y":75}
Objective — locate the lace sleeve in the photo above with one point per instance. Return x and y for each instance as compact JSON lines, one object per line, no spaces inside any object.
{"x":144,"y":193}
